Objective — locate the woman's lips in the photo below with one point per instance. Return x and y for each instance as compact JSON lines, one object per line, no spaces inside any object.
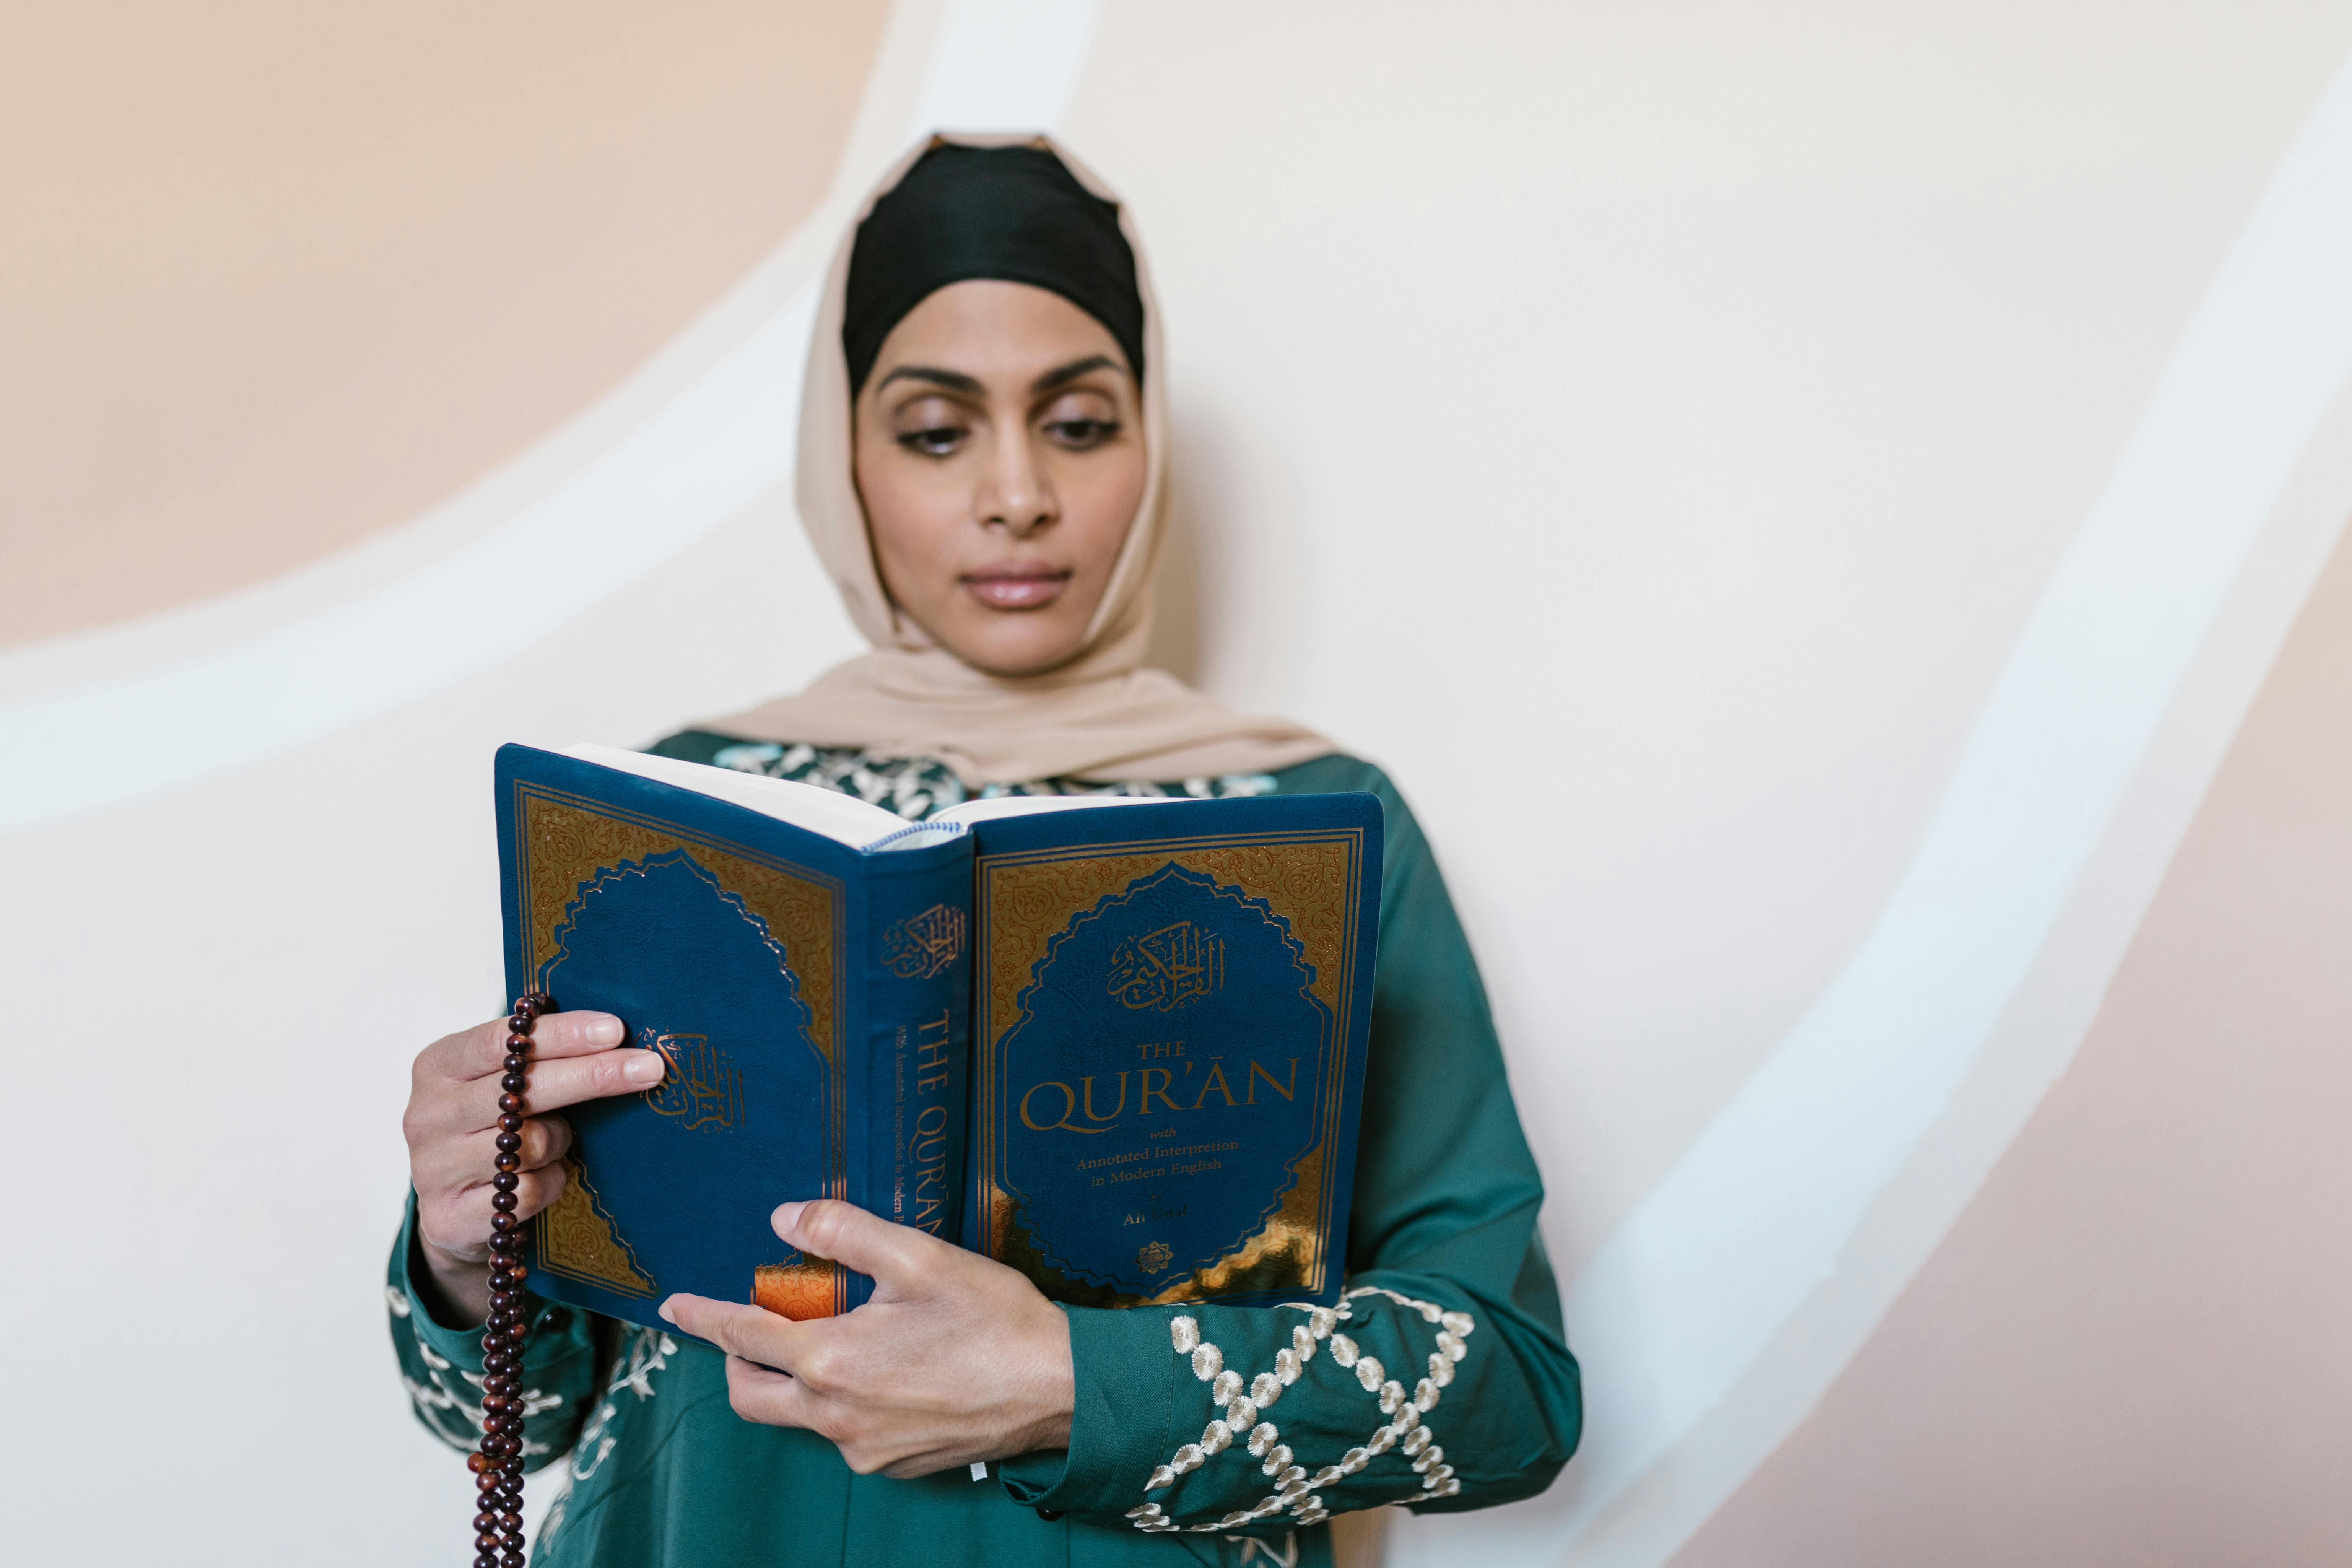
{"x":1016,"y":587}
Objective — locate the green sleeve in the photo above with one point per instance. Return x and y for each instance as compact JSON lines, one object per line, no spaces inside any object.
{"x":442,"y":1366}
{"x":1442,"y":1380}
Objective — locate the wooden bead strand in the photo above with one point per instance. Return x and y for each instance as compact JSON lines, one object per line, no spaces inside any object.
{"x":498,"y":1463}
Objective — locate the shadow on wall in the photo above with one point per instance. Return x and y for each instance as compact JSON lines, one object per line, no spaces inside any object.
{"x":1197,"y":548}
{"x":1178,"y":629}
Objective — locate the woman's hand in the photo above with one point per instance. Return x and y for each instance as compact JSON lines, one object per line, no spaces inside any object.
{"x":956,"y":1358}
{"x":452,"y":1129}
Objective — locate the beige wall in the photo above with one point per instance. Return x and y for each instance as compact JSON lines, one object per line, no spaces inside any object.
{"x":282,"y":276}
{"x":2131,"y":1349}
{"x":1646,"y":429}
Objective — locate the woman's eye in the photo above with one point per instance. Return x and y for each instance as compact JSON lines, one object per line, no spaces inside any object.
{"x":1082,"y":432}
{"x":937,"y":441}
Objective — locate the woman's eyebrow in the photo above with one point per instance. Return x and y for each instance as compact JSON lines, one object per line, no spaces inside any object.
{"x":1063,"y":375}
{"x":953,"y":380}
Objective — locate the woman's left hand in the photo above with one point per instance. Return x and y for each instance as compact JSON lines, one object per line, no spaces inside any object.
{"x":956,"y":1357}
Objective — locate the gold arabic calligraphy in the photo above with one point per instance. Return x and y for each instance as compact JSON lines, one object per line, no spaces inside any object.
{"x":922,"y":945}
{"x":703,"y":1089}
{"x":1168,"y":968}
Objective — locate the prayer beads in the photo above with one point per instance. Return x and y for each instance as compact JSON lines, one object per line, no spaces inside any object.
{"x":497,"y":1464}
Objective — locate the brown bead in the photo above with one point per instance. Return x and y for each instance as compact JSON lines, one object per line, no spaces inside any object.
{"x":509,"y":1142}
{"x":510,"y":1161}
{"x":510,"y":1105}
{"x":510,"y":1120}
{"x":514,"y":1083}
{"x":504,"y":1202}
{"x":505,"y":1182}
{"x":475,"y":1463}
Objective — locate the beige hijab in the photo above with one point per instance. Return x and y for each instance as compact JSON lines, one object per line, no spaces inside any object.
{"x":1101,"y":716}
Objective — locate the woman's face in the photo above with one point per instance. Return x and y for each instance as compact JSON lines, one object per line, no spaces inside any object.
{"x":999,"y":452}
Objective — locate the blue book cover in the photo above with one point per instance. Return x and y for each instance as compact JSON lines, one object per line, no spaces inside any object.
{"x":808,"y":996}
{"x":1171,"y":1012}
{"x":1118,"y":1047}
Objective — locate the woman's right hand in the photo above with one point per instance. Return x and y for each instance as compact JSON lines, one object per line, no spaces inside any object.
{"x":451,"y":1125}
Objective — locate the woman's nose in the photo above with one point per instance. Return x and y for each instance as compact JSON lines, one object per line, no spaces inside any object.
{"x":1014,"y":493}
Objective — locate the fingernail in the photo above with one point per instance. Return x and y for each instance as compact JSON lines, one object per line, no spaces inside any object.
{"x":647,"y":1067}
{"x":603,"y":1030}
{"x":786,"y":1216}
{"x":666,"y":1315}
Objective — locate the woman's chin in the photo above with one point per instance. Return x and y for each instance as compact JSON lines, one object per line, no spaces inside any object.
{"x":1011,"y":652}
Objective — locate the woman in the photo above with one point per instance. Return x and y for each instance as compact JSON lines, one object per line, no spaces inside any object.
{"x":982,"y":452}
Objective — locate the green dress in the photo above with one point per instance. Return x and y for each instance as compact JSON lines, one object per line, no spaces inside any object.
{"x":1441,"y":1380}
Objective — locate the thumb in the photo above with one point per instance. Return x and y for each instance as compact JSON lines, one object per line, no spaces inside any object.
{"x":894,"y":1255}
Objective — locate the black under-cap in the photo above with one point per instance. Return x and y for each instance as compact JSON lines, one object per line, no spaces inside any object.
{"x":1011,"y":213}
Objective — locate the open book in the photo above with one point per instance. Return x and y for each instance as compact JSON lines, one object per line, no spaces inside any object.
{"x":1118,"y":1044}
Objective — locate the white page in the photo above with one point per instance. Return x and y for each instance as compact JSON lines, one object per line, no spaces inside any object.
{"x":843,"y":818}
{"x":1029,"y":805}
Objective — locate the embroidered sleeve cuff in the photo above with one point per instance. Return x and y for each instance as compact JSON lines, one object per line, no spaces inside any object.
{"x":1120,"y":1424}
{"x":442,"y":1367}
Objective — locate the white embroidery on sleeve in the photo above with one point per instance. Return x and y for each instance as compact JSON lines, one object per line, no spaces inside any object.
{"x":1295,"y":1489}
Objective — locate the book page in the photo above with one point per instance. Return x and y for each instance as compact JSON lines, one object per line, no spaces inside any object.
{"x":843,"y":818}
{"x":1027,"y":805}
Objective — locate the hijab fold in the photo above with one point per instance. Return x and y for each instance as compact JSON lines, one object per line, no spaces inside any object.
{"x":1102,"y":716}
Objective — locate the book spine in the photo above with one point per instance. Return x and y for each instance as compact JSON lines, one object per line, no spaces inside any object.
{"x":911,"y":1093}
